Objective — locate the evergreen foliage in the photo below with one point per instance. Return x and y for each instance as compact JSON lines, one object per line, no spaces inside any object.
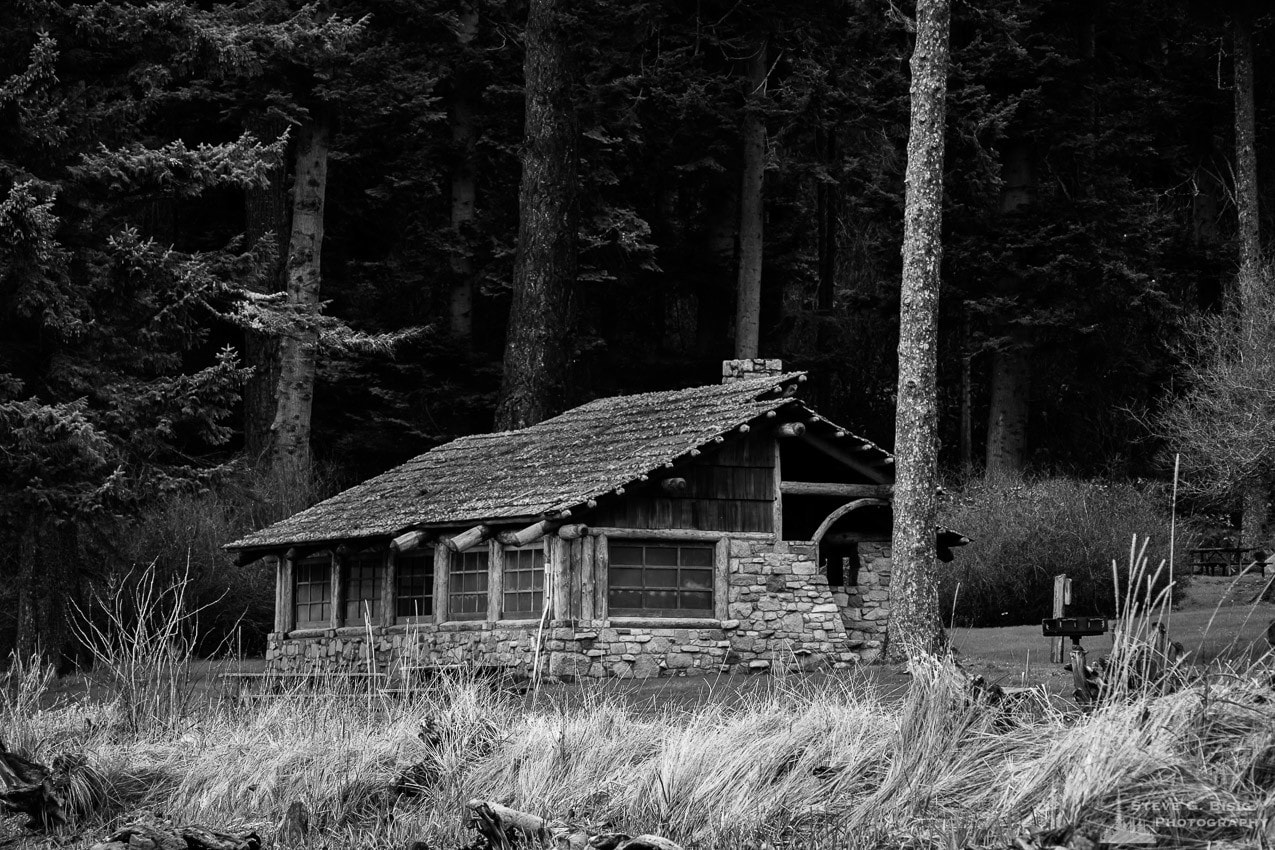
{"x":130,"y":134}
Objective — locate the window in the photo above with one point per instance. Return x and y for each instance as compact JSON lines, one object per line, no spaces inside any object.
{"x":467,"y":585}
{"x":524,"y":584}
{"x":415,"y":597}
{"x":656,"y":579}
{"x":362,"y":586}
{"x":312,"y":591}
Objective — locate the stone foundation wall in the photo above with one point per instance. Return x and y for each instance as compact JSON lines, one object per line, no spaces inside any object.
{"x":782,"y":616}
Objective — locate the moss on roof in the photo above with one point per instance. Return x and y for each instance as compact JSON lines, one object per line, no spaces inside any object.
{"x":538,"y":471}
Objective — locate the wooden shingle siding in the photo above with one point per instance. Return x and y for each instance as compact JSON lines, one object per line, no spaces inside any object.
{"x":728,"y":489}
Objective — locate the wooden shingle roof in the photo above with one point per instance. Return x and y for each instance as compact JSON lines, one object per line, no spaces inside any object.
{"x":539,"y":471}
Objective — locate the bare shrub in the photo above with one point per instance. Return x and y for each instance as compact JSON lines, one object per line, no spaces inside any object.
{"x":1025,"y":532}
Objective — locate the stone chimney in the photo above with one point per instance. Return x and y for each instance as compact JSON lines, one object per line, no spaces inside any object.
{"x":738,"y":370}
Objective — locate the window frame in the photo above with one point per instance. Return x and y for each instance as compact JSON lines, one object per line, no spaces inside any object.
{"x":482,"y":594}
{"x":322,"y":561}
{"x":375,"y":560}
{"x":537,"y":580}
{"x":712,"y":546}
{"x":425,"y":555}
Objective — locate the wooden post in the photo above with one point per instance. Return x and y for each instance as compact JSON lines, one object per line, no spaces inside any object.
{"x":442,"y":561}
{"x":574,"y":564}
{"x":559,"y":555}
{"x":721,"y":579}
{"x":1062,"y":595}
{"x":389,"y":588}
{"x":280,"y":603}
{"x":602,"y":577}
{"x":495,"y":582}
{"x":588,"y":590}
{"x":338,"y":591}
{"x":289,"y":590}
{"x":776,"y":493}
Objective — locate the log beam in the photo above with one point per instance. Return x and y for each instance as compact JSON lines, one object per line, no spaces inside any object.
{"x":791,"y":430}
{"x":573,"y":532}
{"x":468,"y":539}
{"x":408,"y":541}
{"x":674,"y":486}
{"x":525,"y":536}
{"x":833,"y":488}
{"x":844,"y":457}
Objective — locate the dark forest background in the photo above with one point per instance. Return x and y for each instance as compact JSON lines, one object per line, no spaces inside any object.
{"x":150,"y":155}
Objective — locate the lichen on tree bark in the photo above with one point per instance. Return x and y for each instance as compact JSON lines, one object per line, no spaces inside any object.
{"x":914,"y":619}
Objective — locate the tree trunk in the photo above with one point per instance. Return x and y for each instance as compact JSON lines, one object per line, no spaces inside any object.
{"x":265,"y":212}
{"x":46,"y":581}
{"x":748,"y":294}
{"x":1251,"y":279}
{"x":967,"y":395}
{"x":827,"y":205}
{"x":461,"y":310}
{"x":1011,"y":369}
{"x":298,"y":349}
{"x":545,"y":268}
{"x":915,"y":626}
{"x":1008,"y":412}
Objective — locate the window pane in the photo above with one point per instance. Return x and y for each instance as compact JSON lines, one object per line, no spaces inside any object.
{"x":626,"y":555}
{"x":664,"y":556}
{"x":625,"y":598}
{"x":697,"y":601}
{"x":661,"y":578}
{"x":626,"y":577}
{"x":697,"y":580}
{"x":696,"y":556}
{"x":659,"y":599}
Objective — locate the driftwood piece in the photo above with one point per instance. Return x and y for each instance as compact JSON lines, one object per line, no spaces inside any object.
{"x":649,"y":842}
{"x":150,"y":836}
{"x":504,"y":827}
{"x":27,"y":787}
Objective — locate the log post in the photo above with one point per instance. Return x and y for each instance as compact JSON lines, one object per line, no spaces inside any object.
{"x":1062,"y":595}
{"x":275,"y":564}
{"x":588,"y":600}
{"x":442,"y":562}
{"x":338,"y":588}
{"x":559,"y":559}
{"x":389,"y":588}
{"x":495,"y":583}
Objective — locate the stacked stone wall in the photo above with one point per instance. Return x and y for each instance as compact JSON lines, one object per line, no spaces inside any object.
{"x":865,"y":606}
{"x":782,"y":616}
